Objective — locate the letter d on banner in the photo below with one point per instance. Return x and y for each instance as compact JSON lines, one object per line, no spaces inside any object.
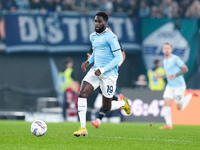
{"x":28,"y":30}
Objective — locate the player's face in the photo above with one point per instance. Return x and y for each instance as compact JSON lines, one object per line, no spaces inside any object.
{"x":100,"y":24}
{"x":167,"y":49}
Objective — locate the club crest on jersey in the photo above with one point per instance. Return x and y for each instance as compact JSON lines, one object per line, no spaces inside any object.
{"x":102,"y":40}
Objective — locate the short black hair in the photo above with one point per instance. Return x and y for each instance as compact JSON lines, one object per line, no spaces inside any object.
{"x":157,"y":61}
{"x":102,"y":14}
{"x":68,"y":60}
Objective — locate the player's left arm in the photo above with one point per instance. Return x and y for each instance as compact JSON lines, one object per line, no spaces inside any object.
{"x":184,"y":68}
{"x":124,"y":57}
{"x":116,"y":50}
{"x":117,"y":59}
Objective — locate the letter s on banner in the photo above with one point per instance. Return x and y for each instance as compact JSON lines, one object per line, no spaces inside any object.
{"x":55,"y":34}
{"x":72,"y":27}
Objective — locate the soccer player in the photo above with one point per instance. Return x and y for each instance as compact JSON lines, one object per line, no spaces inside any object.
{"x":104,"y":73}
{"x":174,"y":68}
{"x":116,"y":96}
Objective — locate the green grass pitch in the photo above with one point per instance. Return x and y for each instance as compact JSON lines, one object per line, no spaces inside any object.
{"x":16,"y":135}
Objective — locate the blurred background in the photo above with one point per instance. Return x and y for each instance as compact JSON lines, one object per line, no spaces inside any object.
{"x":37,"y":36}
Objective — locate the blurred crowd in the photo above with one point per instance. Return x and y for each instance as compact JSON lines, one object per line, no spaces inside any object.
{"x":133,"y":8}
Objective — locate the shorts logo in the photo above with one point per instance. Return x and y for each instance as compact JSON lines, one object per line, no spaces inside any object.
{"x":109,"y":89}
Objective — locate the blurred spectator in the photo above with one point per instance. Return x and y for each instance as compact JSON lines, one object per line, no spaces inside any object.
{"x":83,"y":6}
{"x":132,"y":9}
{"x":2,"y":29}
{"x":58,"y":5}
{"x":183,"y":6}
{"x":107,"y":6}
{"x":169,"y":9}
{"x":22,"y":4}
{"x":35,"y":4}
{"x":49,"y":5}
{"x":156,"y":84}
{"x":70,"y":88}
{"x":164,"y":7}
{"x":174,"y":10}
{"x":141,"y":83}
{"x":9,"y":5}
{"x":153,"y":3}
{"x":155,"y":13}
{"x":68,"y":5}
{"x":94,"y":6}
{"x":194,"y":10}
{"x":119,"y":6}
{"x":144,"y":10}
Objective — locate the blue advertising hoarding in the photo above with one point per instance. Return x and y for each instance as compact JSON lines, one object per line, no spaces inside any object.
{"x":63,"y":32}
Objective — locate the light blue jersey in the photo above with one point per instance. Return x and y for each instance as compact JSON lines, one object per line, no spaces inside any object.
{"x":106,"y":52}
{"x":172,"y":65}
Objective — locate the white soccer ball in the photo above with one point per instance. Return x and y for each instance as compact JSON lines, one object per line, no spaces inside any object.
{"x":38,"y":128}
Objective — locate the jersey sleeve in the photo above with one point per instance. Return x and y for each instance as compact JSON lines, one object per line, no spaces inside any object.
{"x":91,"y":59}
{"x":91,"y":37}
{"x":179,"y":62}
{"x":117,"y":59}
{"x":116,"y":50}
{"x":113,"y":42}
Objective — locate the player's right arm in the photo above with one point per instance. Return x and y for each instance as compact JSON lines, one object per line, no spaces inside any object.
{"x":90,"y":58}
{"x":88,"y":62}
{"x":182,"y":65}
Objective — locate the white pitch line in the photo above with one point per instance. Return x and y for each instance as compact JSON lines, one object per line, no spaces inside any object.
{"x":146,"y":139}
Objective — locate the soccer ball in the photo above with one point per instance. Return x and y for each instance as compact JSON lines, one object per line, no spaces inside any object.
{"x":38,"y":128}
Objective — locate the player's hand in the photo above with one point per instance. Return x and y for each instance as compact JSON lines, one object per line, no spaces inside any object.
{"x":172,"y":76}
{"x":97,"y":72}
{"x":84,"y":65}
{"x":157,"y":76}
